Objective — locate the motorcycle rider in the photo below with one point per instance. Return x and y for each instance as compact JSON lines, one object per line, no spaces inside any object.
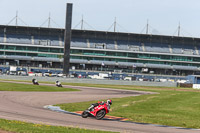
{"x":58,"y":83}
{"x":108,"y":103}
{"x":34,"y":81}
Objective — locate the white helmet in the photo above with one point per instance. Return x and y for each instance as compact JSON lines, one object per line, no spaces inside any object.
{"x":109,"y":101}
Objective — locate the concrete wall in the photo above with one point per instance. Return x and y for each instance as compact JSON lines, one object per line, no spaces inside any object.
{"x":91,"y":81}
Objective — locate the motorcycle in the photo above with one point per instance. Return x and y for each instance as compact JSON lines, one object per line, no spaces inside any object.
{"x":35,"y":82}
{"x":58,"y":84}
{"x":98,"y":110}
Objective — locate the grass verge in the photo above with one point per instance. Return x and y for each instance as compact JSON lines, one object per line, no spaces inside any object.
{"x":128,"y":87}
{"x":172,"y":106}
{"x":29,"y":87}
{"x":24,"y":127}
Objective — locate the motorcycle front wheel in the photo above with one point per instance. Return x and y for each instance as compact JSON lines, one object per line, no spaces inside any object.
{"x":100,"y":114}
{"x":84,"y":114}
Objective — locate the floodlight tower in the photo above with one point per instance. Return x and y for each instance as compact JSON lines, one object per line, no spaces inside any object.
{"x":67,"y":39}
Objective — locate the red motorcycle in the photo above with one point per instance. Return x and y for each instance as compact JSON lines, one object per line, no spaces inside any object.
{"x":97,"y":110}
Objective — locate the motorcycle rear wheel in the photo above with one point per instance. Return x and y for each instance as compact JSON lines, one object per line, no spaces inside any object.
{"x":84,"y":114}
{"x":100,"y":114}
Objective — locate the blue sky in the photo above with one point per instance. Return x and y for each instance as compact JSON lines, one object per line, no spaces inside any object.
{"x":131,"y":15}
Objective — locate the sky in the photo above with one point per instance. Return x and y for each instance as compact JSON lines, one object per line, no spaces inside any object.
{"x":131,"y":16}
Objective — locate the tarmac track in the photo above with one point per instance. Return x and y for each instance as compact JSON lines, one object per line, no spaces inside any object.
{"x":28,"y":106}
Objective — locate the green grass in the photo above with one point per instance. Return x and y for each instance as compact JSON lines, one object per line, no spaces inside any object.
{"x":128,"y":87}
{"x":172,"y":106}
{"x":24,"y":127}
{"x":100,"y":85}
{"x":29,"y":87}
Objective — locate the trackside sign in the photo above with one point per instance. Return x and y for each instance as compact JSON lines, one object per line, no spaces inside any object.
{"x":196,"y":86}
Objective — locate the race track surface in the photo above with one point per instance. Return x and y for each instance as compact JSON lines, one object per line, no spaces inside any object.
{"x":28,"y":106}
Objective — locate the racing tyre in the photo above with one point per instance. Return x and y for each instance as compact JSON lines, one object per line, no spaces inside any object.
{"x":84,"y":114}
{"x":100,"y":114}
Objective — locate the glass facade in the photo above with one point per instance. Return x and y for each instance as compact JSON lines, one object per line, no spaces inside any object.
{"x":101,"y":55}
{"x":31,"y":48}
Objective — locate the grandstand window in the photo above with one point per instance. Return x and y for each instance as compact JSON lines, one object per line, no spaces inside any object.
{"x":10,"y":47}
{"x":1,"y":46}
{"x":111,"y":53}
{"x":43,"y":49}
{"x":132,"y":60}
{"x":155,"y":56}
{"x":189,"y":58}
{"x":98,"y":59}
{"x":21,"y":54}
{"x":196,"y":59}
{"x":76,"y":51}
{"x":32,"y":48}
{"x":87,"y":51}
{"x":54,"y":50}
{"x":88,"y":54}
{"x":47,"y":55}
{"x":122,"y":54}
{"x":165,"y":57}
{"x":132,"y":55}
{"x":179,"y":58}
{"x":20,"y":48}
{"x":141,"y":61}
{"x":87,"y":58}
{"x":60,"y":56}
{"x":154,"y":62}
{"x":41,"y":55}
{"x":106,"y":59}
{"x":99,"y":53}
{"x":31,"y":54}
{"x":76,"y":57}
{"x":9,"y":53}
{"x":120,"y":60}
{"x":1,"y":53}
{"x":143,"y":56}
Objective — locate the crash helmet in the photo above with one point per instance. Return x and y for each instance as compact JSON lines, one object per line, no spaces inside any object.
{"x":109,"y":101}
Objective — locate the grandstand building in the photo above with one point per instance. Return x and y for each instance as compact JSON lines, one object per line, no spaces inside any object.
{"x":100,"y":50}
